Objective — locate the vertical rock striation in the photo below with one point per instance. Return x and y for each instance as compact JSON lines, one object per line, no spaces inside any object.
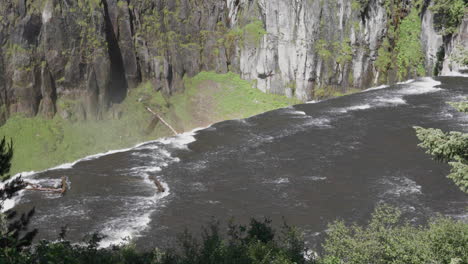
{"x":311,"y":44}
{"x":79,"y":58}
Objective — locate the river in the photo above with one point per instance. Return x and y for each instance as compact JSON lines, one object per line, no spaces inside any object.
{"x":309,"y":164}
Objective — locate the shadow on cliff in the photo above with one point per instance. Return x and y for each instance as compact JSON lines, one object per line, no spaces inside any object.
{"x":118,"y":83}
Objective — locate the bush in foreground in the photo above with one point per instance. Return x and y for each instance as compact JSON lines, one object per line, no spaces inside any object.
{"x":385,"y":239}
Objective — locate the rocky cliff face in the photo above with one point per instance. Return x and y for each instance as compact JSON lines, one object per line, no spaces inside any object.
{"x":312,"y":44}
{"x":79,"y":58}
{"x":456,"y":52}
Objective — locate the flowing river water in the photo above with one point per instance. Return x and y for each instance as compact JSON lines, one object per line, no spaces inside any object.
{"x":309,"y":164}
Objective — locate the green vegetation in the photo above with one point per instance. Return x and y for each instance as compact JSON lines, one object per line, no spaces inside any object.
{"x":460,"y":55}
{"x":234,"y":97}
{"x":92,"y":43}
{"x":401,"y":50}
{"x":209,"y":98}
{"x":254,"y":32}
{"x":449,"y":14}
{"x":408,"y":50}
{"x":449,"y":147}
{"x":387,"y":238}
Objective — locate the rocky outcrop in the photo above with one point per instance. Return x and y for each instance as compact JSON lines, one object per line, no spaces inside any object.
{"x":79,"y":58}
{"x":311,"y":44}
{"x":432,"y":41}
{"x":456,"y":51}
{"x":86,"y":54}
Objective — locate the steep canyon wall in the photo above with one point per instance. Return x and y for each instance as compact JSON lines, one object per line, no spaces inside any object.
{"x":79,"y":58}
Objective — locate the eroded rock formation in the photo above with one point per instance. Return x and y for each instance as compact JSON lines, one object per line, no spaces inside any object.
{"x":78,"y":58}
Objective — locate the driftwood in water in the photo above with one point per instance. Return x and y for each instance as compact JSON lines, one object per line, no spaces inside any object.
{"x":36,"y":187}
{"x":64,"y":185}
{"x":162,"y":120}
{"x":158,"y":184}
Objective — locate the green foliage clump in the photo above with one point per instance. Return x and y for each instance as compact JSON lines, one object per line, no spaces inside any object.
{"x":92,"y":43}
{"x":449,"y":14}
{"x":451,"y":147}
{"x":409,"y":54}
{"x":387,"y":239}
{"x":460,"y":106}
{"x":254,"y":32}
{"x":401,"y":49}
{"x":255,"y":243}
{"x":460,"y":55}
{"x":341,"y":51}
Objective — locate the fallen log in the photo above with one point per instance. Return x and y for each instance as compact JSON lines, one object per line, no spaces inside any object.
{"x":159,"y":186}
{"x":36,"y":187}
{"x":162,"y":120}
{"x":45,"y":189}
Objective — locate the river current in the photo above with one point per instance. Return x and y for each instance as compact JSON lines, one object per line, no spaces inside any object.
{"x":308,"y":164}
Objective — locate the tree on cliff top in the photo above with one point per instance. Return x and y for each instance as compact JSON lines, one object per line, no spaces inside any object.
{"x":451,"y":147}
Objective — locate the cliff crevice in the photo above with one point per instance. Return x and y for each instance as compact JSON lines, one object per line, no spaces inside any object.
{"x":79,"y":58}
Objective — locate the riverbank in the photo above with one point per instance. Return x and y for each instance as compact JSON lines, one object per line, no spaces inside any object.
{"x":208,"y":98}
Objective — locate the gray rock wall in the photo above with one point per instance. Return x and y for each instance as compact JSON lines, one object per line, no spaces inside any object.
{"x":80,"y":57}
{"x":455,"y":48}
{"x":312,"y":44}
{"x":89,"y":53}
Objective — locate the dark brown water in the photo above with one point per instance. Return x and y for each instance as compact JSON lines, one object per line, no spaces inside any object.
{"x":311,"y":164}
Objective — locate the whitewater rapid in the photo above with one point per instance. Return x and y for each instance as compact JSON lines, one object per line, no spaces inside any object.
{"x":158,"y":155}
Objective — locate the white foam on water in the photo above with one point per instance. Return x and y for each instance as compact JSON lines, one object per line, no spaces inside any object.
{"x":179,"y":141}
{"x":319,"y":122}
{"x":282,"y":181}
{"x":353,"y":108}
{"x":312,"y":102}
{"x":391,"y":100}
{"x":317,"y":178}
{"x":10,"y":203}
{"x":146,"y":169}
{"x":359,"y":107}
{"x":182,"y":140}
{"x":387,"y":86}
{"x":406,"y":82}
{"x":455,"y":74}
{"x":300,"y":113}
{"x":422,"y":86}
{"x":117,"y":231}
{"x":376,"y":88}
{"x":292,"y":111}
{"x":398,"y":187}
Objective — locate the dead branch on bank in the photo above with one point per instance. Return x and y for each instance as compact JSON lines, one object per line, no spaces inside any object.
{"x":162,"y":120}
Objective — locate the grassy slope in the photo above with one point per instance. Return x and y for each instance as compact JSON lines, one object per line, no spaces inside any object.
{"x":209,"y":97}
